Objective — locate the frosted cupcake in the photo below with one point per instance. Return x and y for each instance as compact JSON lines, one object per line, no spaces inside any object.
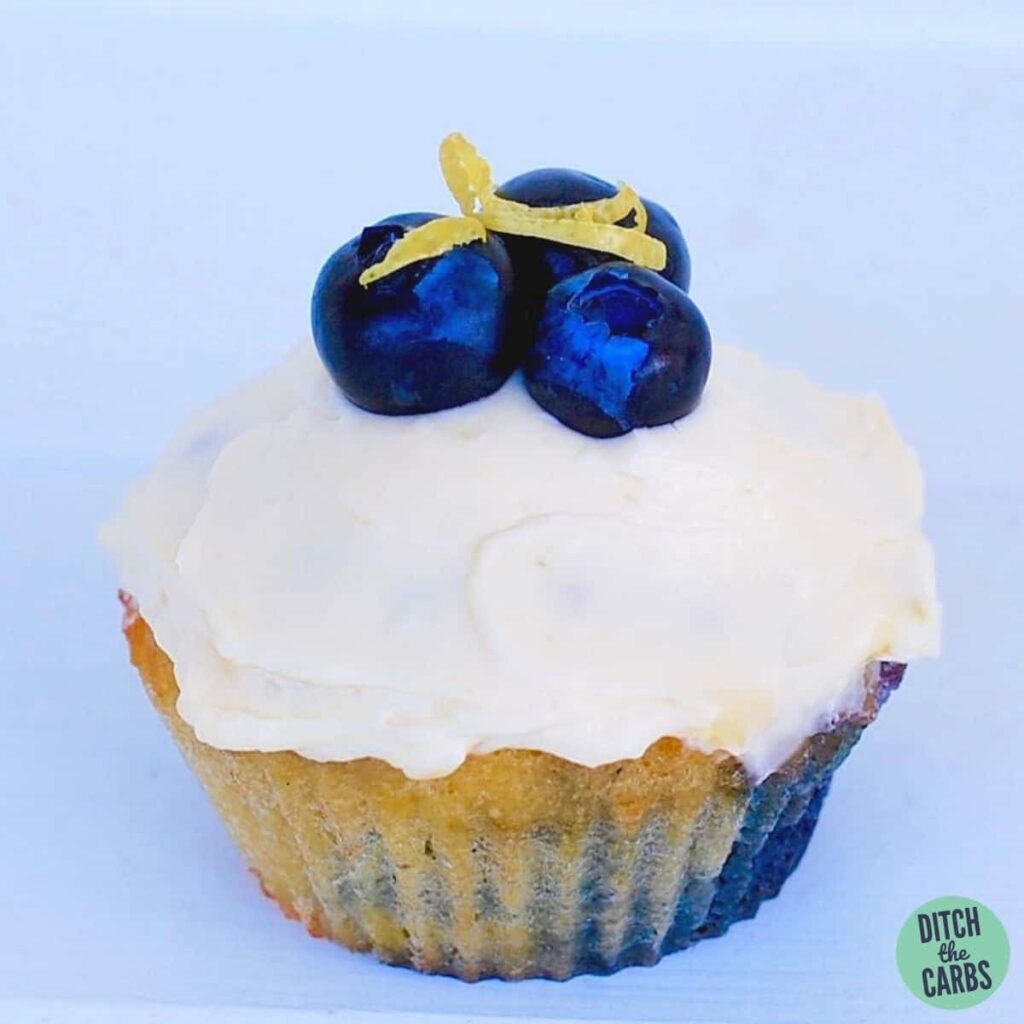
{"x":508,"y":635}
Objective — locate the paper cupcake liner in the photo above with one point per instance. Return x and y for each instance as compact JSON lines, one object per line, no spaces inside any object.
{"x":519,"y":864}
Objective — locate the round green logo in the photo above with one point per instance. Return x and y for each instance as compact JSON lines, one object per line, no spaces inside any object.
{"x":953,"y":952}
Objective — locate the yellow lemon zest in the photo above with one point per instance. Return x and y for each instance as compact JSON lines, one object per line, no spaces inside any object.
{"x":431,"y":239}
{"x":598,"y":211}
{"x":629,"y":243}
{"x":466,"y":173}
{"x":636,"y":205}
{"x":590,"y":225}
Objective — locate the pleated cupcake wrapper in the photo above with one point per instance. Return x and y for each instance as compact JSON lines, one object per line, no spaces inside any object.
{"x":518,"y":864}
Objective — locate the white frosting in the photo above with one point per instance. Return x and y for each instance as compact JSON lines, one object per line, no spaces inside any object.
{"x":419,"y":588}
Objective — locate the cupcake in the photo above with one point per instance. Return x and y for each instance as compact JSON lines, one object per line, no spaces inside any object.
{"x":511,"y":634}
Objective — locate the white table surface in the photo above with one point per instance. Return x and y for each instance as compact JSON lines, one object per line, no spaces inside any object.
{"x":169,"y":184}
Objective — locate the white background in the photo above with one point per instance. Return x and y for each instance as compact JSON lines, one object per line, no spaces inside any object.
{"x":849,"y":178}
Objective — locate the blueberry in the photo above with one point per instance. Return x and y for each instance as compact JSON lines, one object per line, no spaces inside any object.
{"x":618,"y":347}
{"x":661,"y":224}
{"x":540,"y":265}
{"x":431,"y":335}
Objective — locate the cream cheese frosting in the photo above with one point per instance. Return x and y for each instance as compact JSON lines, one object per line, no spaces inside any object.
{"x":421,"y":588}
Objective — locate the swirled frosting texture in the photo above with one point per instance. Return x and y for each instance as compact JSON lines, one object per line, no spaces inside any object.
{"x":420,"y":588}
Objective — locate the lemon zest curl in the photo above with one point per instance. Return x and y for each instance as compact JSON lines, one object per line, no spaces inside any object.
{"x":590,"y":225}
{"x":628,"y":243}
{"x":434,"y":238}
{"x":466,"y":173}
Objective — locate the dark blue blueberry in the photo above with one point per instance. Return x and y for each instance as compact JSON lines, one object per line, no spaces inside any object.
{"x":429,"y":336}
{"x":618,"y":347}
{"x":661,"y":224}
{"x":540,"y":264}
